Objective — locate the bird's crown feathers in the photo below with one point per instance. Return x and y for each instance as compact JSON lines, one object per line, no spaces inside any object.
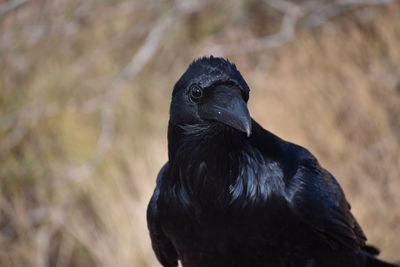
{"x":208,"y":71}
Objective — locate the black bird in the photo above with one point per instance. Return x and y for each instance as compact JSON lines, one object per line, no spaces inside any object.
{"x":234,"y":194}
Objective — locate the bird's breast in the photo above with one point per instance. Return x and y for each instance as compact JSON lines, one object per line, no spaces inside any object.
{"x":252,"y":235}
{"x":228,"y":204}
{"x":225,"y":182}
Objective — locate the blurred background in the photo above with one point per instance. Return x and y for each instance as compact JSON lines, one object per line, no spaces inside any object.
{"x":84,"y":94}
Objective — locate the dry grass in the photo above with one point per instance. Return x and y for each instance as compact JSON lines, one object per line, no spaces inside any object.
{"x":79,"y":160}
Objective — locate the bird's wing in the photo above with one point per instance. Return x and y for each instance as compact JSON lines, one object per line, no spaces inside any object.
{"x":162,"y":246}
{"x":315,"y":196}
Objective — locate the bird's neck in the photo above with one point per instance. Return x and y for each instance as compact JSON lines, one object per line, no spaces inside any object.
{"x":216,"y":166}
{"x":203,"y":140}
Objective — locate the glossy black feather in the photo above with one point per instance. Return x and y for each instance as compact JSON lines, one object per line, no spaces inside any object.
{"x":226,"y":199}
{"x":162,"y":246}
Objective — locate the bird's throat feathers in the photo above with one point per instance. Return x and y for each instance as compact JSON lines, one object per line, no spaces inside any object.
{"x":214,"y":166}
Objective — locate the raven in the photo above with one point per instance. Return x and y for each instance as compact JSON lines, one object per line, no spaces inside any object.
{"x":234,"y":194}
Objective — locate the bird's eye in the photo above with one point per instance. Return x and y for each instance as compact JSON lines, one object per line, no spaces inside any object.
{"x":195,"y":93}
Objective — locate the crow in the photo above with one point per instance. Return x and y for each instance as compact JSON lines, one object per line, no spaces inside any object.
{"x":234,"y":194}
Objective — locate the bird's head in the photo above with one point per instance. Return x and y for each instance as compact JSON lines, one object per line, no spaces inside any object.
{"x":211,"y":91}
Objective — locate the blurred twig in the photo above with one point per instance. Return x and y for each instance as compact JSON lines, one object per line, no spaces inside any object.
{"x":322,"y":13}
{"x":311,"y":13}
{"x":11,"y":5}
{"x":19,"y":122}
{"x":291,"y":14}
{"x":138,"y":61}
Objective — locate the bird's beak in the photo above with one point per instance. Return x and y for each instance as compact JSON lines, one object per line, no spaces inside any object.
{"x":227,"y":106}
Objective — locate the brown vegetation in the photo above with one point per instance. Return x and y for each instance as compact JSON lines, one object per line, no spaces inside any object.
{"x":84,"y":94}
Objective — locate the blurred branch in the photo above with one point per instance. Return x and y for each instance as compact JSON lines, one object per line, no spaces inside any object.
{"x":291,"y":14}
{"x":11,"y":5}
{"x":283,"y":6}
{"x":18,"y":123}
{"x":138,"y":61}
{"x":311,"y":13}
{"x":146,"y":51}
{"x":363,"y":2}
{"x":135,"y":65}
{"x":321,"y":14}
{"x":153,"y":41}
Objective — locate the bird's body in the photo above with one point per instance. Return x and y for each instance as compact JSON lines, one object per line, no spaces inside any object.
{"x":230,"y":198}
